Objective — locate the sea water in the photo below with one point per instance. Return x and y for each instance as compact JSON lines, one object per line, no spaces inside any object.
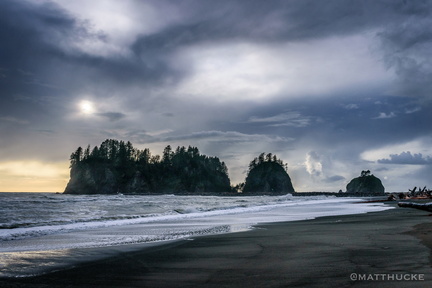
{"x":43,"y":232}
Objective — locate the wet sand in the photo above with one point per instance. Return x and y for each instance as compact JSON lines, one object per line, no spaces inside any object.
{"x":381,"y":247}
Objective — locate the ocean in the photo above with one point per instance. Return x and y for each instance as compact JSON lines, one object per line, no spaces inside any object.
{"x":44,"y":232}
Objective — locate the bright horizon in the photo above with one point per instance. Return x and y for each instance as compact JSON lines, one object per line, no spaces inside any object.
{"x":34,"y":176}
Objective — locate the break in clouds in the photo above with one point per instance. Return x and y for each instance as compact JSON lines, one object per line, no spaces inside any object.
{"x":331,"y":87}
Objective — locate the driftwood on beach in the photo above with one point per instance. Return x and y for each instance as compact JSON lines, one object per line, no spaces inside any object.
{"x":425,"y":207}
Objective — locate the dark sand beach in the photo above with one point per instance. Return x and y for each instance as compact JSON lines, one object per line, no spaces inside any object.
{"x":376,"y":248}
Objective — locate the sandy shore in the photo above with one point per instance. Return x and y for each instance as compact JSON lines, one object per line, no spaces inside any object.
{"x":378,"y":248}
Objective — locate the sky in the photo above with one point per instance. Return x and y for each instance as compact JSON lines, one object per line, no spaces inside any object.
{"x":331,"y":87}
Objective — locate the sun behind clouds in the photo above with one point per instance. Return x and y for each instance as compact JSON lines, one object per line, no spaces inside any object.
{"x":86,"y":107}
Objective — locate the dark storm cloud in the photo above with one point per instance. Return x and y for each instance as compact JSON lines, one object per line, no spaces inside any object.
{"x":284,"y":20}
{"x":31,"y":39}
{"x":28,"y":38}
{"x":329,"y":122}
{"x":35,"y":35}
{"x":401,"y":29}
{"x":44,"y":33}
{"x":276,"y":20}
{"x":407,"y":48}
{"x":407,"y":158}
{"x":41,"y":48}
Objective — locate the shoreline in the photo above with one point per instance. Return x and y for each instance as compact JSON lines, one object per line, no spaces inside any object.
{"x":309,"y":253}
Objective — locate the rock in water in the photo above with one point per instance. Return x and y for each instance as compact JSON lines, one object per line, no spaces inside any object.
{"x":117,"y":167}
{"x":268,"y":177}
{"x":366,"y":184}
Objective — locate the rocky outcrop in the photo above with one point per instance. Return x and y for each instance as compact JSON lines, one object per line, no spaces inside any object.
{"x":366,"y":184}
{"x":117,"y":167}
{"x":268,"y":177}
{"x":91,"y":179}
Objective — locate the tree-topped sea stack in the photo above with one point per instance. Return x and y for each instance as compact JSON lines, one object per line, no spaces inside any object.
{"x":117,"y":167}
{"x":366,"y":184}
{"x":267,"y":174}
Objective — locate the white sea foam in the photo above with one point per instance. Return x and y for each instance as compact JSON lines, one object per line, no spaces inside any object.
{"x":45,"y":223}
{"x":174,"y":215}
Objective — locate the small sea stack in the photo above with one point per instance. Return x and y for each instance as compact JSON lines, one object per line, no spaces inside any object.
{"x":267,"y":174}
{"x":367,"y":183}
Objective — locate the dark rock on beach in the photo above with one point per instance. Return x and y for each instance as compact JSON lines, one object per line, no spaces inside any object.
{"x":366,"y":184}
{"x":267,"y":175}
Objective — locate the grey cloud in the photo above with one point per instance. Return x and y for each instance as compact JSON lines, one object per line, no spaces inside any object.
{"x":36,"y":32}
{"x":14,"y":120}
{"x":401,"y":26}
{"x":48,"y":26}
{"x":274,"y":20}
{"x":335,"y":178}
{"x":379,"y":169}
{"x":294,"y":119}
{"x":407,"y":158}
{"x":228,"y":136}
{"x":331,"y":124}
{"x":46,"y":132}
{"x":112,"y":116}
{"x":350,"y":106}
{"x":42,"y":38}
{"x":143,"y":136}
{"x":412,"y":110}
{"x":407,"y":47}
{"x":384,"y":115}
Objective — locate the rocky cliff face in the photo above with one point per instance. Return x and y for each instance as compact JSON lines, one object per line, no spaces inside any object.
{"x":268,"y":177}
{"x":91,"y":179}
{"x":366,"y":184}
{"x":88,"y":179}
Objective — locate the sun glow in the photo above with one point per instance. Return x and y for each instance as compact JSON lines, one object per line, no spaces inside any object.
{"x":86,"y":107}
{"x":33,"y":176}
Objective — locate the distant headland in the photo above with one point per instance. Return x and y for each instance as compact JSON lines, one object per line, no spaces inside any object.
{"x":116,"y":167}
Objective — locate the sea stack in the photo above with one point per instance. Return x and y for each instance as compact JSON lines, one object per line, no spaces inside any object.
{"x":366,"y":184}
{"x":117,"y":167}
{"x":267,"y":174}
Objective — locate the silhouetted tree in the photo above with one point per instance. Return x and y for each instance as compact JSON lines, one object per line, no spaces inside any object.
{"x":86,"y":153}
{"x":365,"y":173}
{"x":167,"y":155}
{"x":76,"y":157}
{"x":269,"y":157}
{"x":95,"y":153}
{"x":262,"y":158}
